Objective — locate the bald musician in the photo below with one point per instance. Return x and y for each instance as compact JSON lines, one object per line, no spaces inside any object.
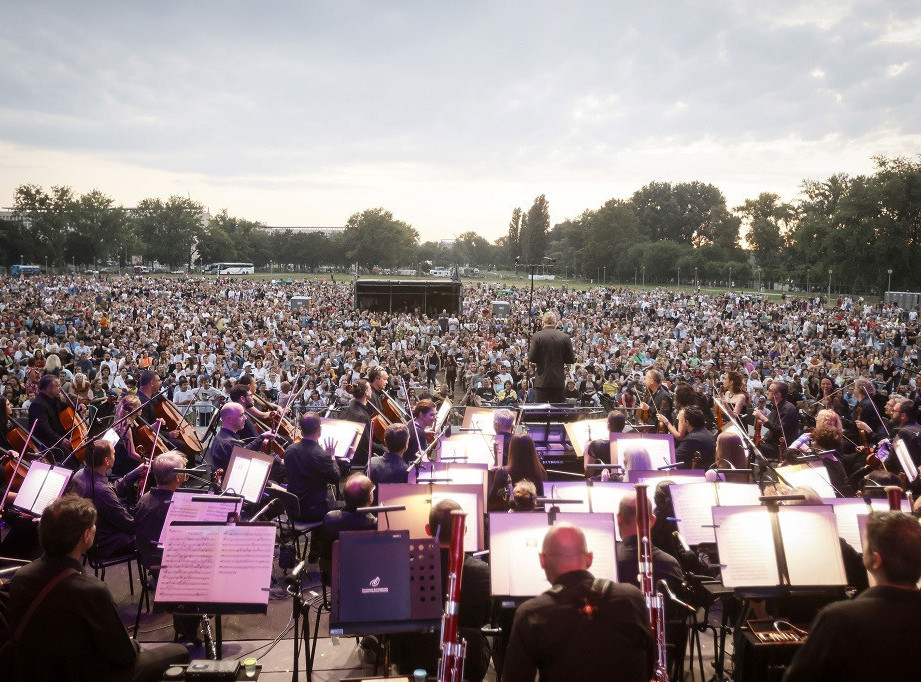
{"x":582,"y":628}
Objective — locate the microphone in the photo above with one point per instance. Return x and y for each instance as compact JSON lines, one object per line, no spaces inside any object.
{"x":274,"y":502}
{"x":382,"y":508}
{"x":294,"y":577}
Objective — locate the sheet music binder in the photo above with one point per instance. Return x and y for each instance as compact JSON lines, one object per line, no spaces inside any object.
{"x":779,"y":547}
{"x":216,"y":568}
{"x":42,"y":485}
{"x":365,"y":563}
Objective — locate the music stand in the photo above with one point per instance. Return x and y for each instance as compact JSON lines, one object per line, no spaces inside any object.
{"x":658,"y":447}
{"x":346,"y":435}
{"x":216,"y":568}
{"x":185,"y":506}
{"x":418,"y":500}
{"x":693,"y":503}
{"x":848,"y":511}
{"x":581,"y":433}
{"x":460,"y":473}
{"x":383,"y":582}
{"x":42,"y":485}
{"x":474,"y":448}
{"x":479,"y":418}
{"x":247,"y":473}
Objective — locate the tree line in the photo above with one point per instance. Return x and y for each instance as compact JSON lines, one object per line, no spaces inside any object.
{"x":851,"y":230}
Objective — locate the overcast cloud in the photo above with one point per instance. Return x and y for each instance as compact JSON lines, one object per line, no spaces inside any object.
{"x":449,"y":114}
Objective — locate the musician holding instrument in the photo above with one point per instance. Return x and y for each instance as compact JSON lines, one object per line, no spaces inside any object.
{"x":582,"y":628}
{"x":424,"y":415}
{"x":734,"y":393}
{"x":660,"y":400}
{"x":233,"y":419}
{"x":378,"y":378}
{"x":126,"y":455}
{"x":883,"y":618}
{"x":359,"y":411}
{"x":115,"y":525}
{"x":782,"y":423}
{"x":45,"y":410}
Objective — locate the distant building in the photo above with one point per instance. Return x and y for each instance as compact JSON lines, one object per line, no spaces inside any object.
{"x":303,"y":229}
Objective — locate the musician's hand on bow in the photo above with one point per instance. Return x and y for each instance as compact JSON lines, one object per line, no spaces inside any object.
{"x":663,"y":420}
{"x":644,"y":406}
{"x":605,"y":475}
{"x":329,"y":445}
{"x":760,"y":416}
{"x":81,"y":408}
{"x":863,"y":426}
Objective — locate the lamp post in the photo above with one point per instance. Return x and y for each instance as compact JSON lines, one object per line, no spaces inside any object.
{"x":696,"y":281}
{"x":807,"y":280}
{"x":829,"y":282}
{"x":679,"y":275}
{"x":889,"y":285}
{"x":730,"y":277}
{"x":604,"y":274}
{"x":634,"y":276}
{"x":644,"y":275}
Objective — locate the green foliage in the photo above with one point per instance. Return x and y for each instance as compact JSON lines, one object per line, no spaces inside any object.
{"x":535,"y":225}
{"x":49,"y":215}
{"x":375,"y":237}
{"x":169,"y":230}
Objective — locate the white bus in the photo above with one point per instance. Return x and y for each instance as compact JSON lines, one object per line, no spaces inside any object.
{"x":230,"y":269}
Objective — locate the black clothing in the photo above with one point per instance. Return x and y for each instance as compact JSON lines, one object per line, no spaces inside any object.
{"x":356,"y":412}
{"x":551,"y":350}
{"x":115,"y":525}
{"x":664,"y":565}
{"x":311,"y":470}
{"x":553,"y":634}
{"x":869,"y":415}
{"x":123,"y":462}
{"x":661,"y":403}
{"x":783,"y":423}
{"x":390,"y":468}
{"x":336,"y":522}
{"x":413,"y":446}
{"x":49,"y":431}
{"x":499,"y":498}
{"x":881,"y":619}
{"x":699,"y":440}
{"x":149,"y":517}
{"x":222,"y":447}
{"x":421,"y":650}
{"x":76,"y":634}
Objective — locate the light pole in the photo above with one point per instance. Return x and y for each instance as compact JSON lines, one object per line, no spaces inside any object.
{"x":807,"y":280}
{"x":829,"y":282}
{"x":644,"y":275}
{"x":889,"y":286}
{"x":730,"y":277}
{"x":604,"y":274}
{"x":696,"y":282}
{"x":634,"y":276}
{"x":679,"y":275}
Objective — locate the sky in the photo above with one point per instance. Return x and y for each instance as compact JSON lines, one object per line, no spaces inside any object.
{"x":449,"y":114}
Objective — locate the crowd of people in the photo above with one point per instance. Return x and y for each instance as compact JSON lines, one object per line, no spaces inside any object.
{"x":677,"y":360}
{"x":200,"y":335}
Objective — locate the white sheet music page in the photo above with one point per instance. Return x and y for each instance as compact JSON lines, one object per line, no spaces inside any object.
{"x":847,"y":509}
{"x":255,"y":480}
{"x":599,"y":535}
{"x":32,"y":484}
{"x":810,"y":540}
{"x":515,"y":543}
{"x":183,"y":507}
{"x":736,"y":494}
{"x":606,"y":498}
{"x":217,"y":564}
{"x":816,"y":477}
{"x":469,"y":502}
{"x":581,"y":433}
{"x":745,"y":540}
{"x":236,"y":477}
{"x":54,"y":484}
{"x":693,"y":504}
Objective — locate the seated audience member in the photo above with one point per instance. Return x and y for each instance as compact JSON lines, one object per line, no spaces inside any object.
{"x":65,"y":623}
{"x":582,"y":628}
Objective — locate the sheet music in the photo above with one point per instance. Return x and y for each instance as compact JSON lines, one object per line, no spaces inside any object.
{"x":847,"y":511}
{"x":343,"y":432}
{"x":479,"y":418}
{"x":745,"y":539}
{"x":474,"y":448}
{"x":255,"y":480}
{"x":581,"y":433}
{"x":216,"y":563}
{"x":810,"y":540}
{"x":599,"y":532}
{"x":660,"y":448}
{"x":459,"y":472}
{"x":679,"y":477}
{"x":42,"y":485}
{"x":693,"y":504}
{"x":248,"y":473}
{"x":908,"y":465}
{"x":515,"y":542}
{"x":183,"y":508}
{"x":815,"y":477}
{"x":236,"y":477}
{"x":418,"y":500}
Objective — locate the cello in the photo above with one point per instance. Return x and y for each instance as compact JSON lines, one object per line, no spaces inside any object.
{"x":77,"y":427}
{"x":174,"y":421}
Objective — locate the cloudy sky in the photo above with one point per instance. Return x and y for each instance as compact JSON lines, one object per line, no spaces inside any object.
{"x":449,"y":114}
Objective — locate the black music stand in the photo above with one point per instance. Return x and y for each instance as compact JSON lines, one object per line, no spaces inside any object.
{"x":383,"y":582}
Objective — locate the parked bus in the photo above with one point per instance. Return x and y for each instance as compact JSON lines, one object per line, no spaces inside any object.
{"x":231,"y":269}
{"x":17,"y":270}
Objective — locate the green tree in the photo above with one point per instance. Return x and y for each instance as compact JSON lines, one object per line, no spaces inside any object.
{"x":513,"y":242}
{"x":49,"y":217}
{"x":769,"y":223}
{"x":100,"y":229}
{"x":534,"y":228}
{"x":375,"y":237}
{"x":471,"y":248}
{"x":169,"y":230}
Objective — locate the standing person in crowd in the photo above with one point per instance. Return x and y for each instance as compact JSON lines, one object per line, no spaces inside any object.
{"x":553,"y":632}
{"x":551,"y":351}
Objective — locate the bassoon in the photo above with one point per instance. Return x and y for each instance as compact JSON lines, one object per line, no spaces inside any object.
{"x":453,"y":648}
{"x":654,"y":601}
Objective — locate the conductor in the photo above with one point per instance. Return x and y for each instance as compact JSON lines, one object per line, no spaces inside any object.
{"x":551,"y":350}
